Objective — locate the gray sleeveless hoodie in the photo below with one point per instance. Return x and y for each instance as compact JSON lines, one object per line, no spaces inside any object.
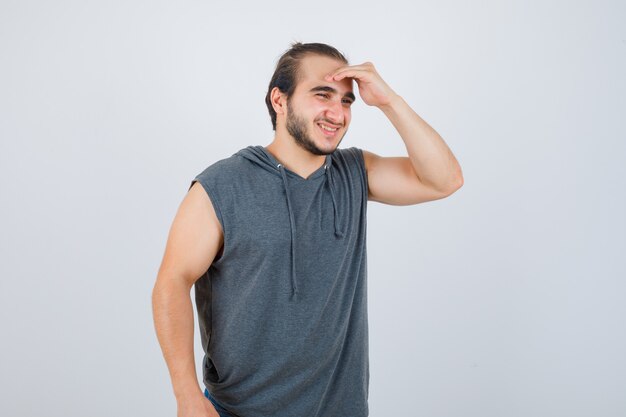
{"x":283,"y":307}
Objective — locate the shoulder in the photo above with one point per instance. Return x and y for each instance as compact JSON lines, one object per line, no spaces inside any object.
{"x":351,"y":162}
{"x":217,"y":178}
{"x":224,"y":167}
{"x":349,"y":156}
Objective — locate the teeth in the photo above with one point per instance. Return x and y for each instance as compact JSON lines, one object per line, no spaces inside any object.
{"x":327,"y":128}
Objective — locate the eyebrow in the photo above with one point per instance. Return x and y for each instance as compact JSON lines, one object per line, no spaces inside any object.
{"x":331,"y":90}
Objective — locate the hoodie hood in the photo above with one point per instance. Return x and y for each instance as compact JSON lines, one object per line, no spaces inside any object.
{"x":258,"y":155}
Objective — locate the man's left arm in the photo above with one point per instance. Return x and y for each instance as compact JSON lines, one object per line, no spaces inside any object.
{"x":430,"y":171}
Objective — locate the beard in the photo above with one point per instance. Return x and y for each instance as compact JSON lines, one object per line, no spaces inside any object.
{"x":297,"y":128}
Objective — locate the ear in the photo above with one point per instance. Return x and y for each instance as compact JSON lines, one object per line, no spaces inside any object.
{"x":279,"y":101}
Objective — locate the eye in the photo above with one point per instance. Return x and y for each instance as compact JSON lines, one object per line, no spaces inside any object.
{"x":348,"y":102}
{"x":322,"y":95}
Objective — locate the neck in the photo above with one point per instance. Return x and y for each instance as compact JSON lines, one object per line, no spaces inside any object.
{"x":297,"y":159}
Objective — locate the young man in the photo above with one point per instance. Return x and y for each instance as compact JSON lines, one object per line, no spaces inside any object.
{"x":273,"y":239}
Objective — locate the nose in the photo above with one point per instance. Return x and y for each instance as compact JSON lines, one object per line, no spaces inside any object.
{"x":334,"y":112}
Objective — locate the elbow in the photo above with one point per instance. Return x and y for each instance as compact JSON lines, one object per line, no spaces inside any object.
{"x":458,"y":179}
{"x":459,"y":182}
{"x":455,"y":185}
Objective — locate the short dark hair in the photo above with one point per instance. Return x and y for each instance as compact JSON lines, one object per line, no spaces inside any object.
{"x":287,"y":72}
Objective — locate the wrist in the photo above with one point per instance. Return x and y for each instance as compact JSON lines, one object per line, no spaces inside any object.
{"x":393,"y":104}
{"x":190,"y":393}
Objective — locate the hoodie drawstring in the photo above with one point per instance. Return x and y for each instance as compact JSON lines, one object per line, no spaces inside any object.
{"x":261,"y":157}
{"x":292,"y":223}
{"x":338,"y":232}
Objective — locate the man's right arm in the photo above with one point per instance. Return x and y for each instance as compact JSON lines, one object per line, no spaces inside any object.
{"x":194,"y":240}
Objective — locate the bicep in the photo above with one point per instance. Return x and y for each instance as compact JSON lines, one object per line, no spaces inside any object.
{"x":194,"y":240}
{"x":392,"y":180}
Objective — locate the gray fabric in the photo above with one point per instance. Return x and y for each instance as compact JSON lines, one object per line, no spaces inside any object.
{"x":283,"y":307}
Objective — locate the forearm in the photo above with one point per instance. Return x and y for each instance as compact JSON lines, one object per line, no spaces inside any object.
{"x":431,"y":158}
{"x":173,"y":320}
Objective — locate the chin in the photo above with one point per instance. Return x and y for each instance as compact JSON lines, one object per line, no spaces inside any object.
{"x":328,"y":146}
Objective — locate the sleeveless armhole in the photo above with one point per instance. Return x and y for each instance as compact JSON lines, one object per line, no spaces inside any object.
{"x":358,"y":154}
{"x":215,"y":202}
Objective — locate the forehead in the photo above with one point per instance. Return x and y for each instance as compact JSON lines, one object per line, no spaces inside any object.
{"x":313,"y":68}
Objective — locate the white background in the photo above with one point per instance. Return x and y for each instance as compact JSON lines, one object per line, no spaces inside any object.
{"x":505,"y":299}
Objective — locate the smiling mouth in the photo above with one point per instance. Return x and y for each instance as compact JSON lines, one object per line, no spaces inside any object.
{"x":327,"y":129}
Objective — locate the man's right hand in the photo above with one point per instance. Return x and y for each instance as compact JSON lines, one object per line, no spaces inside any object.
{"x":200,"y":407}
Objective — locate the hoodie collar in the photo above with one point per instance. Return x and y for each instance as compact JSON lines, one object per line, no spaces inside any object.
{"x":278,"y":164}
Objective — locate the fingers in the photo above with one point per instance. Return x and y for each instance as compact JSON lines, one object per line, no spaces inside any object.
{"x":341,"y":75}
{"x":354,"y":71}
